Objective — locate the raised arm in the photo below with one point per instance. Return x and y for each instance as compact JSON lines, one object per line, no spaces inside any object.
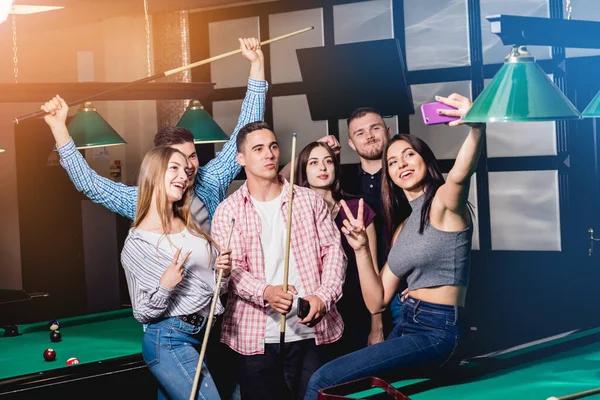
{"x":454,"y":193}
{"x":115,"y":196}
{"x":214,"y":178}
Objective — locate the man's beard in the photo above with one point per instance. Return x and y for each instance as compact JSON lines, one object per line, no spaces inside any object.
{"x":373,"y":153}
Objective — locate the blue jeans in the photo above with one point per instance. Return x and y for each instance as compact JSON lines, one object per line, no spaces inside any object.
{"x":171,"y":350}
{"x":395,"y":308}
{"x":424,"y":338}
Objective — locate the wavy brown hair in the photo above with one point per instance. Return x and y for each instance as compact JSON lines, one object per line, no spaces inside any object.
{"x":151,"y":183}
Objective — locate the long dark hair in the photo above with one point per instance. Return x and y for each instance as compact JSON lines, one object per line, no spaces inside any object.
{"x":396,"y":207}
{"x":300,"y":178}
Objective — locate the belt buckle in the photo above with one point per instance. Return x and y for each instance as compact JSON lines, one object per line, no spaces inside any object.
{"x":193,"y":319}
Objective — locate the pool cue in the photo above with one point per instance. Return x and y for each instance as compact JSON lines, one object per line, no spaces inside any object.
{"x":286,"y":267}
{"x":41,"y":113}
{"x":579,"y":395}
{"x":209,"y":321}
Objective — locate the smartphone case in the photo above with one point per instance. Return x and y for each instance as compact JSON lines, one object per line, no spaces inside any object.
{"x":431,"y":116}
{"x":303,"y":308}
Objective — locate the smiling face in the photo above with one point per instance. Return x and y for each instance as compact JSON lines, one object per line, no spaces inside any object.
{"x":406,"y":167}
{"x":176,"y":177}
{"x":368,"y":136}
{"x":192,"y":163}
{"x":260,"y":155}
{"x":320,"y":169}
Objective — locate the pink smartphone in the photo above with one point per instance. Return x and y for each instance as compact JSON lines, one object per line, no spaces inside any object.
{"x":431,"y":116}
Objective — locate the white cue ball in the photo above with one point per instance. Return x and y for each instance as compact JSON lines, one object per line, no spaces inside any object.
{"x":552,"y":398}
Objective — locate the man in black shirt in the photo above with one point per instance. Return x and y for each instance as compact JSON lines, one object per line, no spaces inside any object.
{"x":368,"y":135}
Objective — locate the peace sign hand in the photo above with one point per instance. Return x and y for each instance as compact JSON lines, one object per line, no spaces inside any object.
{"x":174,"y":272}
{"x":354,"y":228}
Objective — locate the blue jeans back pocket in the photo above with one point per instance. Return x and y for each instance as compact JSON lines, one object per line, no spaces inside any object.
{"x":150,"y":347}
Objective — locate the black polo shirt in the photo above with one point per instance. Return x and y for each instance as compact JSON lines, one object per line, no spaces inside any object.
{"x":356,"y":181}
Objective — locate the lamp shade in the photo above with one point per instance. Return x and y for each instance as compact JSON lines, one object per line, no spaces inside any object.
{"x":88,"y":129}
{"x":5,"y":7}
{"x":521,"y":92}
{"x":593,"y":109}
{"x":1,"y":149}
{"x":200,"y":123}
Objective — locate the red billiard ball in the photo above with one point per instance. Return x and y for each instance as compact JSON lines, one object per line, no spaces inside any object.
{"x":49,"y":355}
{"x":72,"y":361}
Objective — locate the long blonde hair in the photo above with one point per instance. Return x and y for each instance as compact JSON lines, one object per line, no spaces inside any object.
{"x":151,"y":180}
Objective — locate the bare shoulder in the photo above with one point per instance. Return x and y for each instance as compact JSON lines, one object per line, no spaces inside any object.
{"x":446,"y":219}
{"x":397,"y":232}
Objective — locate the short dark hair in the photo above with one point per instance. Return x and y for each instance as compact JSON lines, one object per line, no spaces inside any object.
{"x":171,"y":135}
{"x":248,"y":129}
{"x":361,"y":112}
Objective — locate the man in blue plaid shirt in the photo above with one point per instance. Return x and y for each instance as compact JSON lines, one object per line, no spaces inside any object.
{"x":211,"y":180}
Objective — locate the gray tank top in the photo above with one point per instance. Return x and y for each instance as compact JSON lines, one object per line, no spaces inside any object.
{"x":434,"y":258}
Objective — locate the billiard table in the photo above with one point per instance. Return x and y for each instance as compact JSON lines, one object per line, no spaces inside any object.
{"x":557,"y":366}
{"x":108,"y":346}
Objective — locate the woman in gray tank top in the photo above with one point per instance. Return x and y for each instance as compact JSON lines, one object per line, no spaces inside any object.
{"x":430,"y":229}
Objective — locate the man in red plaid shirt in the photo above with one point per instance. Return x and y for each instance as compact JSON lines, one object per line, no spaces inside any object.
{"x":317,"y":267}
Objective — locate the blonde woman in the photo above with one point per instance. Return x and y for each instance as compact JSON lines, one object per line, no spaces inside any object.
{"x":170,"y":269}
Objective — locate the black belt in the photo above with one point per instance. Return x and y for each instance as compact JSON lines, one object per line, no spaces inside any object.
{"x":194,"y":319}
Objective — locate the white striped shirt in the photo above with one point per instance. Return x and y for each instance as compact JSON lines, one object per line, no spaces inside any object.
{"x":145,"y":257}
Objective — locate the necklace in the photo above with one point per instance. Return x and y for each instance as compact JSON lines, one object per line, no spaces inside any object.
{"x":334,"y":209}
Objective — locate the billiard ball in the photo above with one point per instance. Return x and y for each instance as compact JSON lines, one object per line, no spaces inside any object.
{"x":72,"y":361}
{"x":55,"y":336}
{"x":53,"y":325}
{"x":49,"y":355}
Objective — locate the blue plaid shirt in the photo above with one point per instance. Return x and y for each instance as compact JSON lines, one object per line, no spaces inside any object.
{"x":212,"y":180}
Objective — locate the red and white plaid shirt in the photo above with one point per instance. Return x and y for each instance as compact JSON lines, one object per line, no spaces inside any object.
{"x":316,"y":247}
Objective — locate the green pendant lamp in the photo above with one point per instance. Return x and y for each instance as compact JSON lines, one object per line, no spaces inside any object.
{"x":88,"y":129}
{"x":521,"y":92}
{"x":200,"y":123}
{"x":593,"y":109}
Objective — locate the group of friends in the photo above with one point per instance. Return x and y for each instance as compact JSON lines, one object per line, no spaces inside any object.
{"x":381,"y":254}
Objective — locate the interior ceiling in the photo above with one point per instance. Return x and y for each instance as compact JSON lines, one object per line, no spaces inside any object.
{"x":82,"y":12}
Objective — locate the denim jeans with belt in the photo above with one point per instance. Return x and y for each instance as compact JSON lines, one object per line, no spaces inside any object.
{"x":424,"y":339}
{"x":171,"y":350}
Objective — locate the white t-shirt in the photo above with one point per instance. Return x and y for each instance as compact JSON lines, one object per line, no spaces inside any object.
{"x":273,"y":240}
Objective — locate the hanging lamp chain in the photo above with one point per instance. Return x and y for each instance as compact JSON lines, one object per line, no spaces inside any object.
{"x":147,"y":25}
{"x":14,"y":39}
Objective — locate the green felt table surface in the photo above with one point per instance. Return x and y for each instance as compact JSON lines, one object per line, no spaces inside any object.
{"x":89,"y":338}
{"x":558,"y":374}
